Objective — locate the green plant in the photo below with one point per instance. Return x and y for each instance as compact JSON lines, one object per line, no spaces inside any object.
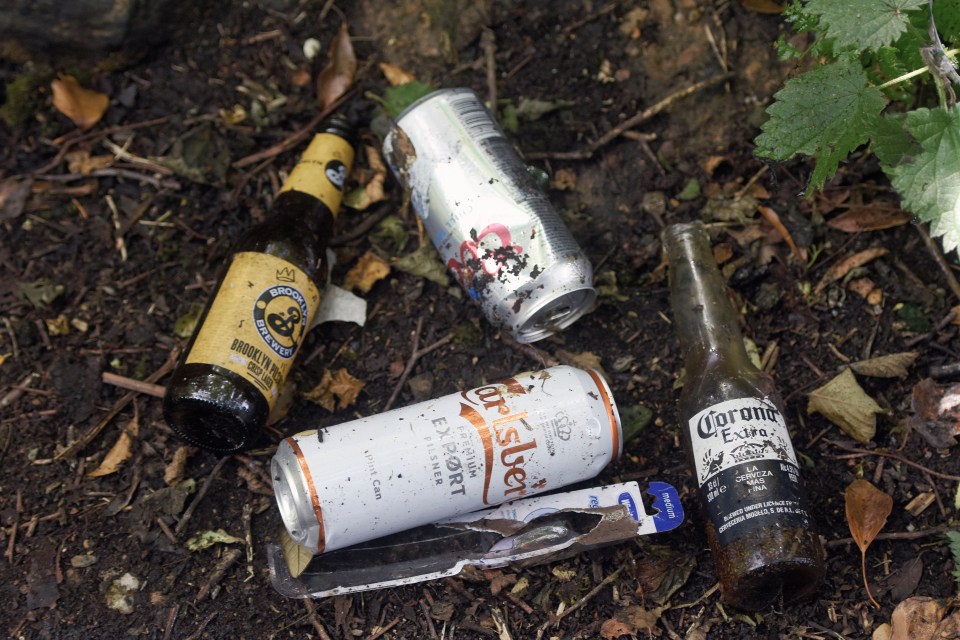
{"x":876,"y":62}
{"x":953,"y":539}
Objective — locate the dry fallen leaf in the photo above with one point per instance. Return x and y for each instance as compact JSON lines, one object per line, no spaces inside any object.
{"x":337,"y":76}
{"x":176,"y":470}
{"x":395,"y":75}
{"x":771,"y":216}
{"x":13,"y":197}
{"x":924,"y":618}
{"x":585,"y":360}
{"x":372,"y":192}
{"x":867,"y":509}
{"x":858,"y":219}
{"x":340,"y":385}
{"x":634,"y":619}
{"x":296,"y":556}
{"x":613,"y":628}
{"x":121,"y":451}
{"x":84,"y":106}
{"x":82,"y":162}
{"x":844,"y":403}
{"x":844,"y":267}
{"x":369,"y":270}
{"x":893,"y":365}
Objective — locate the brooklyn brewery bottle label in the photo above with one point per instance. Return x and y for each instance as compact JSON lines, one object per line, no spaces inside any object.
{"x":746,"y":467}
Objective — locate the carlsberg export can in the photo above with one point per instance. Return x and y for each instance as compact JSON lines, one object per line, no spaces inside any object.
{"x":496,"y":231}
{"x":361,"y":480}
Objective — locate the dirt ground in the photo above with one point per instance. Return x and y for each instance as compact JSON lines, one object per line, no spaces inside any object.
{"x":120,"y":255}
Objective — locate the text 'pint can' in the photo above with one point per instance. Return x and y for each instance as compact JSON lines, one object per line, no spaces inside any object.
{"x":496,"y":231}
{"x":368,"y":478}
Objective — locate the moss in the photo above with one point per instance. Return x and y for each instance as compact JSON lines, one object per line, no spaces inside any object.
{"x":23,"y":96}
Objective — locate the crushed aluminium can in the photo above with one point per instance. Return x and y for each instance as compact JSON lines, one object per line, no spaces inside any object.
{"x":495,"y":229}
{"x":353,"y":482}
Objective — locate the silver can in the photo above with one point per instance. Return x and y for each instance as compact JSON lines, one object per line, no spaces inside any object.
{"x":495,"y":229}
{"x":361,"y":480}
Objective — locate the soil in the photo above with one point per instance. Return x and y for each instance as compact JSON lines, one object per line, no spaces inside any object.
{"x":121,"y":256}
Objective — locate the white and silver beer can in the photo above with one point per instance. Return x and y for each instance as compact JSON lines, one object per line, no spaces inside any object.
{"x":361,"y":480}
{"x":495,"y":229}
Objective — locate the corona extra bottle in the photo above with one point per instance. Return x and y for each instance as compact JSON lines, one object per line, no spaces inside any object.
{"x":245,"y":342}
{"x":758,"y":520}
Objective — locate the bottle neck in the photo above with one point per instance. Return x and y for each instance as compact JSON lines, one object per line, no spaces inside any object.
{"x":704,"y":318}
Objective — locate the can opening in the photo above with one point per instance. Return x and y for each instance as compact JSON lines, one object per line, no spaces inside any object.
{"x":287,"y":501}
{"x":555,"y":315}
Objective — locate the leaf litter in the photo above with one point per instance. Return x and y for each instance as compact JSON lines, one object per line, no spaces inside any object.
{"x":867,"y":509}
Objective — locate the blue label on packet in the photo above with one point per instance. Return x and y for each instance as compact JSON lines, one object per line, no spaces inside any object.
{"x":667,"y":504}
{"x":627,"y":500}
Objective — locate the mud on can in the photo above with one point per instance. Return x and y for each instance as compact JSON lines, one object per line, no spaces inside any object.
{"x":495,"y":229}
{"x":361,"y":480}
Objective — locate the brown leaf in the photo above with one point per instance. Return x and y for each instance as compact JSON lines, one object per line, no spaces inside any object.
{"x":82,"y":162}
{"x":120,"y":452}
{"x":369,"y":270}
{"x":337,"y":76}
{"x":395,"y":75}
{"x":613,"y":628}
{"x":340,"y":385}
{"x":84,"y":106}
{"x":924,"y":618}
{"x":906,"y":579}
{"x":844,"y":267}
{"x":176,"y":470}
{"x":869,"y":218}
{"x":762,"y":6}
{"x":585,"y":360}
{"x":13,"y":197}
{"x":372,"y":192}
{"x":893,"y":365}
{"x":867,"y":509}
{"x":640,"y":619}
{"x":771,"y":216}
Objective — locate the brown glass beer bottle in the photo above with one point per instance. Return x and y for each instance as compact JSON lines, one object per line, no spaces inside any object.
{"x":757,"y":515}
{"x":245,"y":342}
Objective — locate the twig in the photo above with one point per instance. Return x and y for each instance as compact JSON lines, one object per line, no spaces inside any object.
{"x":555,"y":619}
{"x":426,"y":615}
{"x":13,"y":529}
{"x":203,"y":625}
{"x":897,"y":535}
{"x":629,"y":123}
{"x":171,"y":621}
{"x":500,"y":623}
{"x":864,"y":452}
{"x":200,"y":495}
{"x":67,"y":144}
{"x":218,"y":572}
{"x":167,"y":531}
{"x":295,"y":137}
{"x":414,"y":357}
{"x":383,"y":630}
{"x":940,"y":260}
{"x":88,"y":437}
{"x":130,"y":384}
{"x":752,"y":181}
{"x":312,"y":614}
{"x":489,"y":42}
{"x":17,"y":390}
{"x":360,"y":230}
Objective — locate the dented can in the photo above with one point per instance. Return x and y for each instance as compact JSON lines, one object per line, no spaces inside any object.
{"x":495,"y":229}
{"x":361,"y":480}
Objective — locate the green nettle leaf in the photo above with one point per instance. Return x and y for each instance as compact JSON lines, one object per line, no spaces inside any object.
{"x":891,"y":140}
{"x":864,"y":24}
{"x":825,"y":113}
{"x":929,"y":182}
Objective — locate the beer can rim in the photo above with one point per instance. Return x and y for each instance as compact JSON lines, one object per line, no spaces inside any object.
{"x":524,"y":333}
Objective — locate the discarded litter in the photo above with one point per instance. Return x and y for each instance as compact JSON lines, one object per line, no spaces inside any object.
{"x":526,"y":532}
{"x":497,"y":233}
{"x":365,"y":479}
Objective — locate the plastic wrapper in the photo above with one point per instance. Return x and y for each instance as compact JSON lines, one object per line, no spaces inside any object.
{"x":521,"y":533}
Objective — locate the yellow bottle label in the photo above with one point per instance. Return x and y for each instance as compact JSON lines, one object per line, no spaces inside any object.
{"x":258,"y":320}
{"x":323,"y":170}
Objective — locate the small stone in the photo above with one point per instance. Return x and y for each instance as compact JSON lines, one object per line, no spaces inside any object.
{"x":79,"y":562}
{"x":121,"y":592}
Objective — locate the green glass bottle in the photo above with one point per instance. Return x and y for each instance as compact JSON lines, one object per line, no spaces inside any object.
{"x":230,"y":374}
{"x":758,"y":520}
